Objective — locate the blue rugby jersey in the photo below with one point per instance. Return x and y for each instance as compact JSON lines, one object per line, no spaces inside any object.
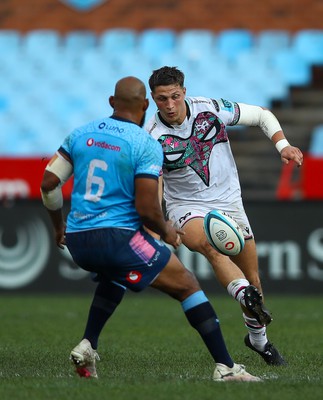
{"x":107,"y":155}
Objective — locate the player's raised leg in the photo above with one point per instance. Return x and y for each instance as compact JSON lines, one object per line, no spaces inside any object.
{"x":256,"y":339}
{"x":232,"y":277}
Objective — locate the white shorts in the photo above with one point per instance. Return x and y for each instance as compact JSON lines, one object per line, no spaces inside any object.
{"x":180,"y":214}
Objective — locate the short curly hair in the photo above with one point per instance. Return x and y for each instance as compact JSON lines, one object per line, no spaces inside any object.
{"x":166,"y":76}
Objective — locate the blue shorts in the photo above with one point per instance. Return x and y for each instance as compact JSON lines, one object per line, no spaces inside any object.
{"x":131,"y":258}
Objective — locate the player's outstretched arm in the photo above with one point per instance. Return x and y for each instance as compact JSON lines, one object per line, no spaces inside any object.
{"x":258,"y":116}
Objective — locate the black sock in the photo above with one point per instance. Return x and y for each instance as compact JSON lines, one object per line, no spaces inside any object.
{"x":203,"y":318}
{"x":106,"y":298}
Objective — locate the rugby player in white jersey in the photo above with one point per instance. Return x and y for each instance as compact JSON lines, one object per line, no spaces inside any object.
{"x":200,"y":174}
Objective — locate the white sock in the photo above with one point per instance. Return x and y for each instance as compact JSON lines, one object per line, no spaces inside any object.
{"x":236,"y":289}
{"x":257,"y":333}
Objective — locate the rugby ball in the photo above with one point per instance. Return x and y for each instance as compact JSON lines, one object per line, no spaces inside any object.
{"x":223,"y":233}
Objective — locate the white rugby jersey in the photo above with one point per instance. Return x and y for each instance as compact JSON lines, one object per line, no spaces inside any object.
{"x":198,"y":162}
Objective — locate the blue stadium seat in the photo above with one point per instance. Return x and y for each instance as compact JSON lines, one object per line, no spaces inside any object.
{"x":308,"y":43}
{"x":232,"y":42}
{"x":115,"y":44}
{"x":255,"y":68}
{"x":10,"y":40}
{"x":272,"y":40}
{"x":75,"y":41}
{"x":38,"y":41}
{"x":195,"y":43}
{"x":117,"y":39}
{"x":250,"y":61}
{"x":16,"y":141}
{"x":153,"y":43}
{"x":42,"y":50}
{"x":316,"y":143}
{"x":293,"y":69}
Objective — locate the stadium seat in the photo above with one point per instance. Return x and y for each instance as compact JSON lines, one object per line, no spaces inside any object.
{"x":118,"y":39}
{"x":232,"y":42}
{"x":17,"y":140}
{"x":10,"y":40}
{"x":4,"y":103}
{"x":91,"y":62}
{"x":75,"y":41}
{"x":293,"y":69}
{"x":114,"y":44}
{"x":195,"y":43}
{"x":272,"y":40}
{"x":268,"y":81}
{"x":308,"y":43}
{"x":39,"y":42}
{"x":316,"y":143}
{"x":251,"y":62}
{"x":152,"y":43}
{"x":42,"y":50}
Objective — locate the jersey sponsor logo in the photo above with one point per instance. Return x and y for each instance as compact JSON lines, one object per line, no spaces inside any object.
{"x":195,"y":151}
{"x":91,"y":142}
{"x":152,"y":128}
{"x":227,"y":104}
{"x":200,"y":101}
{"x":111,"y":128}
{"x":246,"y":232}
{"x":154,"y":259}
{"x":142,"y":248}
{"x":134,"y":276}
{"x":183,"y":218}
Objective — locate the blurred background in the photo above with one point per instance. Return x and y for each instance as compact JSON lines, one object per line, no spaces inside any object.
{"x":59,"y":62}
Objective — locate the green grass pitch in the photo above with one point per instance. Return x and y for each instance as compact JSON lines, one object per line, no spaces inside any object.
{"x":149,"y":352}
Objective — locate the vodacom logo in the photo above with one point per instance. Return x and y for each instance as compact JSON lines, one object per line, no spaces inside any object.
{"x":229,"y":245}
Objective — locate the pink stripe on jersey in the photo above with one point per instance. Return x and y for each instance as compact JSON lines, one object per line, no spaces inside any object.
{"x":141,"y":247}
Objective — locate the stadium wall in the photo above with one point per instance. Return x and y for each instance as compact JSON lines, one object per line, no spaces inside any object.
{"x":289,"y":240}
{"x":64,"y":15}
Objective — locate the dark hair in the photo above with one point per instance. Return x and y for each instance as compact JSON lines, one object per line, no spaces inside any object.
{"x":166,"y":76}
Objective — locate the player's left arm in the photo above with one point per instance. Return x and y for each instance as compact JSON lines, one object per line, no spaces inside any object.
{"x":57,"y":172}
{"x":257,"y":116}
{"x":160,"y":195}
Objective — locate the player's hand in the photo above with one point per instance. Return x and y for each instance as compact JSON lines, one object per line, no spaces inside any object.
{"x":60,"y":236}
{"x":291,"y":153}
{"x":173,"y":235}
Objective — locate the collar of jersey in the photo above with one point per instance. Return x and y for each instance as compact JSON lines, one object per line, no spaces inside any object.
{"x":122,"y":119}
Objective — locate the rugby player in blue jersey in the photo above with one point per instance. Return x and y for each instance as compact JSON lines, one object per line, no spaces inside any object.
{"x":116,"y":165}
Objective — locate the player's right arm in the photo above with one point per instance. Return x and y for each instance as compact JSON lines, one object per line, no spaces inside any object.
{"x":148,"y":207}
{"x":57,"y":172}
{"x":147,"y":188}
